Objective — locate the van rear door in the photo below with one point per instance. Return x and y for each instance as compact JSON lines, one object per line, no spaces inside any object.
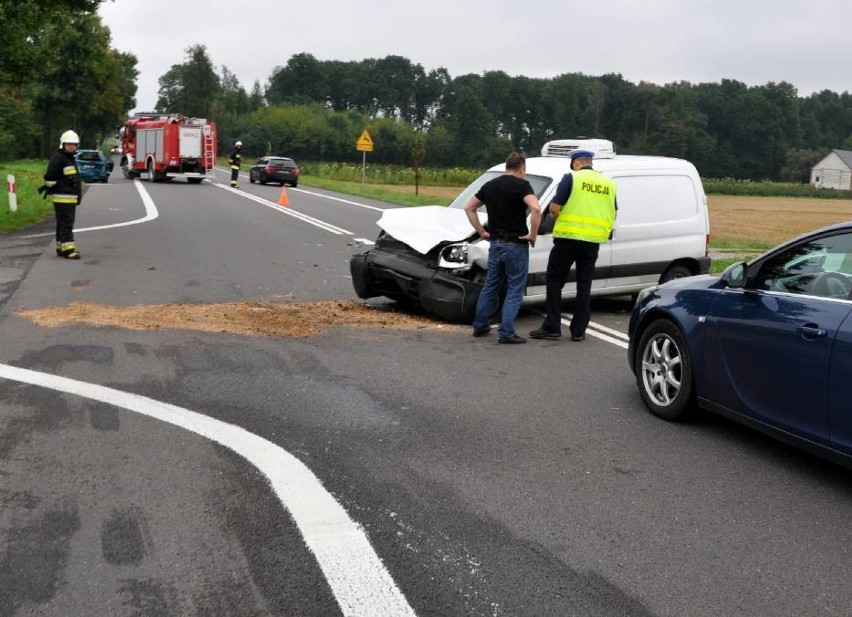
{"x":660,"y":220}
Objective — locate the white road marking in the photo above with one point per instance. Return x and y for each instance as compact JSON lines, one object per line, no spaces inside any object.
{"x":345,"y":201}
{"x":618,"y":338}
{"x":151,"y":213}
{"x":358,"y":579}
{"x":285,"y":210}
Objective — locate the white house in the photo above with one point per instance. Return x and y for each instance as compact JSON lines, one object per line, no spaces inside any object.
{"x":834,"y":171}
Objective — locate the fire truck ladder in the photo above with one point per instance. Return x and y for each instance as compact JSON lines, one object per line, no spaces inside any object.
{"x":209,"y":151}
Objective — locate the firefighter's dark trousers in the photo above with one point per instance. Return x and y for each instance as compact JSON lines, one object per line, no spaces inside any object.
{"x":65,"y":214}
{"x":235,"y":174}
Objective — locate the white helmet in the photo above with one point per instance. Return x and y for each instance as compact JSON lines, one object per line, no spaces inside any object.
{"x":69,"y":137}
{"x":238,"y":144}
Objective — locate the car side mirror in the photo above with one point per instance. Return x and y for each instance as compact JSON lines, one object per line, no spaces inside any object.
{"x":735,"y":275}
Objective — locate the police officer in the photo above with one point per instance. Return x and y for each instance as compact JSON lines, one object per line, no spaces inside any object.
{"x":234,"y":161}
{"x":62,"y":183}
{"x":584,"y":209}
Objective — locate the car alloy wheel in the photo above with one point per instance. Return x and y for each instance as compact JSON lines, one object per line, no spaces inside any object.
{"x":664,"y":371}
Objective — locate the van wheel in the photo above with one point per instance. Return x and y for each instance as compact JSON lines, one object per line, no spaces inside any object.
{"x":151,"y":177}
{"x":664,"y":371}
{"x":677,"y":271}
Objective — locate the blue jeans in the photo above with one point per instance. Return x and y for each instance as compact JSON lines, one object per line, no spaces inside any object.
{"x":508,"y":263}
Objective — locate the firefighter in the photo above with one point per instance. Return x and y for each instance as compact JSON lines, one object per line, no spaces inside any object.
{"x":62,"y":183}
{"x":234,"y":161}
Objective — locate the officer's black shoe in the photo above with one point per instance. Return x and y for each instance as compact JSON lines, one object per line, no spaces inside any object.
{"x":512,"y":340}
{"x":547,"y":335}
{"x":579,"y":338}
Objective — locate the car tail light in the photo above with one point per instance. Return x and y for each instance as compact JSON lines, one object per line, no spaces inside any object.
{"x":296,"y":170}
{"x":269,"y":169}
{"x":707,"y":245}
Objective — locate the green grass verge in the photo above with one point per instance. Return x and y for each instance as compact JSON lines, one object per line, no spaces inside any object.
{"x":32,"y":209}
{"x":717,"y":266}
{"x":369,"y":191}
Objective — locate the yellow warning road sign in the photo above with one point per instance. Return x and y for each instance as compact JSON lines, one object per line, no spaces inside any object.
{"x":365,"y":142}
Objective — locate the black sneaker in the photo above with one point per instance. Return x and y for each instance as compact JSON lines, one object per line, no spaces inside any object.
{"x":481,"y":332}
{"x":579,"y":338}
{"x":541,"y":333}
{"x":512,"y":340}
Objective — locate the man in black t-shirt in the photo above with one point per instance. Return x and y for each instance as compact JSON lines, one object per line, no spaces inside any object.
{"x":506,"y":200}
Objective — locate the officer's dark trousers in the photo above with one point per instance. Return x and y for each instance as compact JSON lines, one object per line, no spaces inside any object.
{"x":65,"y":214}
{"x":564,"y":254}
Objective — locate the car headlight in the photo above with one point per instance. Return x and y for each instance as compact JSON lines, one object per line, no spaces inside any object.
{"x":455,"y":253}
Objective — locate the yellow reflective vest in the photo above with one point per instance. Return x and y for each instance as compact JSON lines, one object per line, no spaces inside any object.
{"x":589,"y":212}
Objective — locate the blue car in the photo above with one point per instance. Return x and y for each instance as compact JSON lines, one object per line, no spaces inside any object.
{"x":94,"y":165}
{"x":768,"y":343}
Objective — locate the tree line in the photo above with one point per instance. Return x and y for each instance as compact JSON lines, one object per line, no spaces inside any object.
{"x":60,"y":71}
{"x":314,"y":110}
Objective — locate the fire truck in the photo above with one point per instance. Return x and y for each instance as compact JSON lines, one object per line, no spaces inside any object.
{"x":167,"y":146}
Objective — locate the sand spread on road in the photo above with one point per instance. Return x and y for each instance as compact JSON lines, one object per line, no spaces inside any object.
{"x":257,"y":318}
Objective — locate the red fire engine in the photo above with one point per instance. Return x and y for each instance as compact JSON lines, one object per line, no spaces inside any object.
{"x":166,"y":146}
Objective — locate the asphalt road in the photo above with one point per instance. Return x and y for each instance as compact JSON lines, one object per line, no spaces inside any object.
{"x":362,"y":471}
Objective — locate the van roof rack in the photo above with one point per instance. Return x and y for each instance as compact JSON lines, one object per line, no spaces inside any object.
{"x":603,"y":148}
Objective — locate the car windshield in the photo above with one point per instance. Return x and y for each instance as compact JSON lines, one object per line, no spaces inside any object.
{"x":539,"y":184}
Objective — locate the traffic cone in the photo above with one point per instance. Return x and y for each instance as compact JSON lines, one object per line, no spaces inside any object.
{"x":282,"y":200}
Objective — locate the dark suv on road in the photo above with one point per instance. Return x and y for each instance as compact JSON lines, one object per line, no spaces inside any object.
{"x":277,"y":169}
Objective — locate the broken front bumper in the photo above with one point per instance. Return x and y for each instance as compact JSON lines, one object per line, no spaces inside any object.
{"x":381,"y":273}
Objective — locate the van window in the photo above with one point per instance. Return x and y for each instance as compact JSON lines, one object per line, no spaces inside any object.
{"x":538,"y":183}
{"x":653,"y":199}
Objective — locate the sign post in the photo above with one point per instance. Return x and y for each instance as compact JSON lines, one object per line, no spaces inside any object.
{"x":364,"y":145}
{"x":13,"y":195}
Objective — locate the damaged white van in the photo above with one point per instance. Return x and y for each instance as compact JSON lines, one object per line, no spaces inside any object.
{"x":430,"y":257}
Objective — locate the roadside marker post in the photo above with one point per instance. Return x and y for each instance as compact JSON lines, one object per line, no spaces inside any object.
{"x":13,"y":195}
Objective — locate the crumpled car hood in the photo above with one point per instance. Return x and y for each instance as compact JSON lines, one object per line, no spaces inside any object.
{"x":425,"y":227}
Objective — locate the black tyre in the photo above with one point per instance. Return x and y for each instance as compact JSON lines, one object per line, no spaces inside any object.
{"x":664,"y":371}
{"x":151,"y":174}
{"x":251,"y":178}
{"x":677,"y":271}
{"x":294,"y":184}
{"x":105,"y":179}
{"x":260,"y":178}
{"x":195,"y":180}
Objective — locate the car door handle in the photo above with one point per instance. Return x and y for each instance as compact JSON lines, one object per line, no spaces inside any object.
{"x":812,"y":331}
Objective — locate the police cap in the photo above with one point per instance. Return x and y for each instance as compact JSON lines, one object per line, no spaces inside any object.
{"x":582,"y":154}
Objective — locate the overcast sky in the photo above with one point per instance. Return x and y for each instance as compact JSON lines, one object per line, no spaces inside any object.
{"x":661,"y":41}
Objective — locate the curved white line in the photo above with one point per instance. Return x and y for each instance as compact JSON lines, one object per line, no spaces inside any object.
{"x":151,"y":213}
{"x":358,"y":579}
